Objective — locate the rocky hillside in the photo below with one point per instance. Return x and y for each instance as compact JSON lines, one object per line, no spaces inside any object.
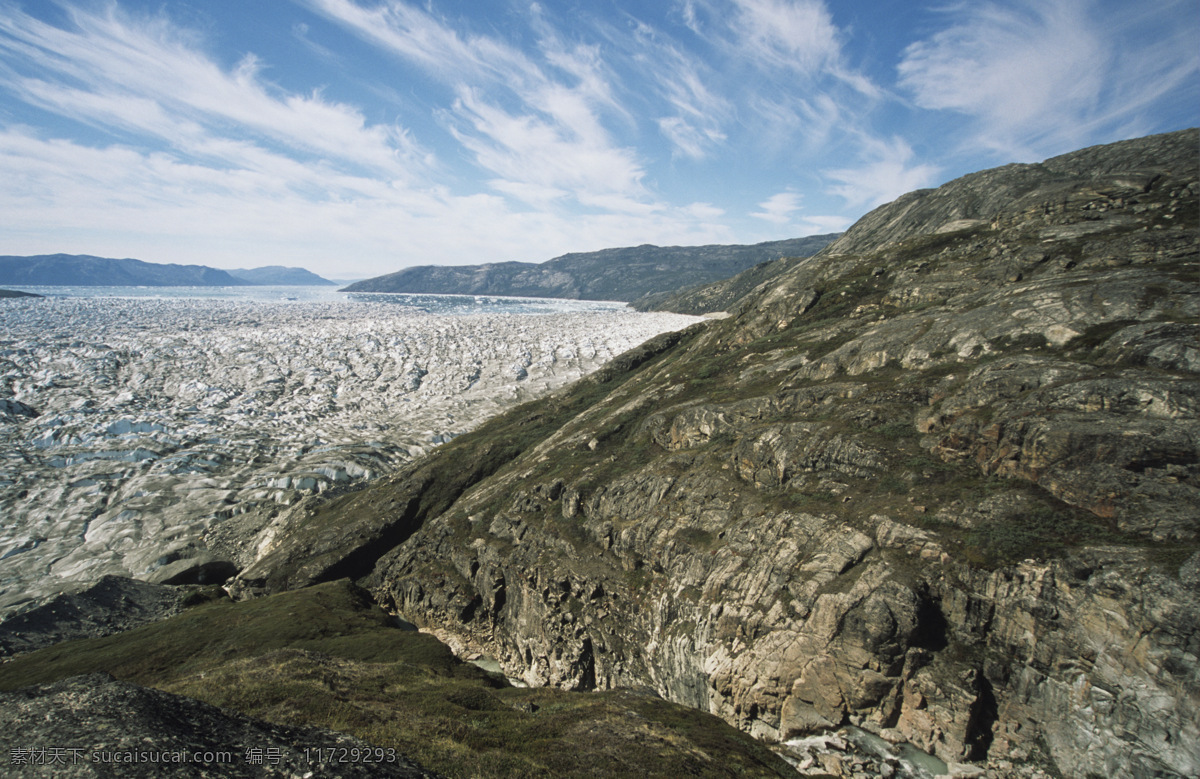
{"x":612,"y":274}
{"x":939,"y":481}
{"x":100,"y":721}
{"x":722,"y":295}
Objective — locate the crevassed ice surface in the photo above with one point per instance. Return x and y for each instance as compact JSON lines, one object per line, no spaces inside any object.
{"x":160,"y":419}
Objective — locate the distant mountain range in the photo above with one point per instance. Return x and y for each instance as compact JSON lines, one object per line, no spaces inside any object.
{"x":83,"y":270}
{"x":611,"y":274}
{"x":278,"y":276}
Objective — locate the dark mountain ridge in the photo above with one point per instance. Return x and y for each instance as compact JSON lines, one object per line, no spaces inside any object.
{"x":611,"y":274}
{"x":85,"y":270}
{"x":280,"y":276}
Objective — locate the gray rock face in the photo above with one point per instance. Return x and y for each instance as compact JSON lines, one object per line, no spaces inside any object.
{"x":96,"y":726}
{"x":938,"y":481}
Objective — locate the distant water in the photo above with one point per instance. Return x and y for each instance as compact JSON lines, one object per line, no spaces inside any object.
{"x":430,"y":304}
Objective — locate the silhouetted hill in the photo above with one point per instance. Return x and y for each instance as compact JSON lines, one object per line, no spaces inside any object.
{"x":278,"y":275}
{"x":83,"y":270}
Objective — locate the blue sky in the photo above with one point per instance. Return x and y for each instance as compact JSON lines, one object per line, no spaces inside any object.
{"x":357,"y":137}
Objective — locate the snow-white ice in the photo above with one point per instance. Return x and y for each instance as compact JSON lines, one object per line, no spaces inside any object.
{"x":162,"y":423}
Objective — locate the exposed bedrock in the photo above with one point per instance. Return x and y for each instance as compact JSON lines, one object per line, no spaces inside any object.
{"x":785,"y":623}
{"x":939,"y":481}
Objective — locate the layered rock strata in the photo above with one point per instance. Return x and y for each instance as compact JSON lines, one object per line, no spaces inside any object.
{"x":939,"y":481}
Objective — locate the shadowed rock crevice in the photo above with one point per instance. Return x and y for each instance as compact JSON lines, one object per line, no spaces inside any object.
{"x":983,"y":717}
{"x":931,"y":626}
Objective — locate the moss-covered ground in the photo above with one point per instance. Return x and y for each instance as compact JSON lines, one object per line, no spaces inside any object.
{"x":327,"y":656}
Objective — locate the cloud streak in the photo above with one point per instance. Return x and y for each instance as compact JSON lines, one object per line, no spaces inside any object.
{"x":537,"y":127}
{"x":223,"y":159}
{"x":415,"y":131}
{"x":885,"y":172}
{"x":143,"y":75}
{"x":65,"y":196}
{"x":1038,"y":77}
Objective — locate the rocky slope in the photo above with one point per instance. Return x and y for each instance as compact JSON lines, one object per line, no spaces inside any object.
{"x":612,"y":274}
{"x":111,"y":605}
{"x":718,"y":296}
{"x":939,"y":481}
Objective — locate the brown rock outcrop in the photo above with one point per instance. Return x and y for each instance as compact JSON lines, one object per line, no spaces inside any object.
{"x":939,"y":481}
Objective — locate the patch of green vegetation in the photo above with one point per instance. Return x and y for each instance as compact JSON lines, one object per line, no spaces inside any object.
{"x":1022,"y":342}
{"x":320,"y":619}
{"x":926,"y":463}
{"x":695,"y":537}
{"x":326,"y":656}
{"x":1096,"y":335}
{"x":889,"y":482}
{"x":1169,"y":557}
{"x":1046,"y":530}
{"x":638,"y":578}
{"x":819,"y":349}
{"x":926,"y":246}
{"x":896,"y":431}
{"x":812,"y":501}
{"x":847,"y":293}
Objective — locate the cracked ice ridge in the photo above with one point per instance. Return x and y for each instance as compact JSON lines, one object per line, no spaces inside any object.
{"x":170,"y":429}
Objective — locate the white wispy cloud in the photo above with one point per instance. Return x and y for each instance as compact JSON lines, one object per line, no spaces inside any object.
{"x":202,"y":160}
{"x":66,"y":196}
{"x":142,"y":74}
{"x":1040,"y":78}
{"x":817,"y":224}
{"x":886,"y":171}
{"x":783,"y":72}
{"x":785,"y":209}
{"x":691,"y":112}
{"x":797,"y":37}
{"x":793,"y":34}
{"x":779,"y":208}
{"x":537,"y":126}
{"x":422,"y":38}
{"x":572,"y":155}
